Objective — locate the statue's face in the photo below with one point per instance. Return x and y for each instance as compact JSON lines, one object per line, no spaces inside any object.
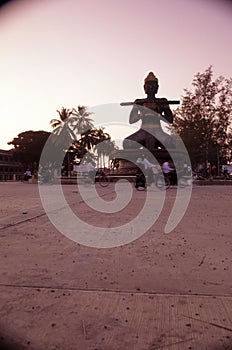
{"x":151,"y":87}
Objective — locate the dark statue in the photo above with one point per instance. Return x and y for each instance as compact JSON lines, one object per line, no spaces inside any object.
{"x":149,"y":110}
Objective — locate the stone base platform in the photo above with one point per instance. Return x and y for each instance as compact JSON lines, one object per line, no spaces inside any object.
{"x":129,"y":167}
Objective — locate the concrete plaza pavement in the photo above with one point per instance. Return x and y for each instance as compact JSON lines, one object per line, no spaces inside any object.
{"x":161,"y":291}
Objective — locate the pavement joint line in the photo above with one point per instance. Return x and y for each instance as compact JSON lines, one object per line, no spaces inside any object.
{"x":126,"y":291}
{"x":22,"y":221}
{"x":42,"y":214}
{"x":211,"y":323}
{"x":171,"y":344}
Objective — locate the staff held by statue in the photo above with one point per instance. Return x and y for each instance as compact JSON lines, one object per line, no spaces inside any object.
{"x":170,"y":102}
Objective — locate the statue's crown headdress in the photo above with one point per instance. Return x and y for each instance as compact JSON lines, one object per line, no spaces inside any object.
{"x":151,"y":77}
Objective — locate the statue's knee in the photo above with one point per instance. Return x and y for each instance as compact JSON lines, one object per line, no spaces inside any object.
{"x":128,"y":143}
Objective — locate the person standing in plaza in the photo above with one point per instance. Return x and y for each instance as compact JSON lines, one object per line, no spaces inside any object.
{"x":27,"y":174}
{"x":170,"y":171}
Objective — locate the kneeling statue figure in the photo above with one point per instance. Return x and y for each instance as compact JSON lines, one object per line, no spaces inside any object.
{"x":150,"y":110}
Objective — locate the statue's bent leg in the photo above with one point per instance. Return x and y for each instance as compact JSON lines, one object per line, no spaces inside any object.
{"x":164,"y":139}
{"x":135,"y":140}
{"x":150,"y":141}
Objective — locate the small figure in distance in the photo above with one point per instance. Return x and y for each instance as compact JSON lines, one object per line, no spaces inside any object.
{"x":169,"y":170}
{"x":27,"y":174}
{"x":149,"y":110}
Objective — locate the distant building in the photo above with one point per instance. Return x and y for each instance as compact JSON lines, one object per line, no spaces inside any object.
{"x":10,"y":170}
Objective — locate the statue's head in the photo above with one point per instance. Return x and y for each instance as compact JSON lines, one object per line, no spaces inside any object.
{"x":151,"y":84}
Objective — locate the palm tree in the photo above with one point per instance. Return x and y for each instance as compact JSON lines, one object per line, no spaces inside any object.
{"x":64,"y":114}
{"x":104,"y":146}
{"x":81,"y":123}
{"x":63,"y":129}
{"x":71,"y":124}
{"x":89,"y":139}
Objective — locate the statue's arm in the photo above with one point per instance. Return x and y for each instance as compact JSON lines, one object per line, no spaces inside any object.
{"x":135,"y":114}
{"x":166,"y":111}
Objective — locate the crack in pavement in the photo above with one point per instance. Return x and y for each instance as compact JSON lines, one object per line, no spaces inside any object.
{"x":44,"y":213}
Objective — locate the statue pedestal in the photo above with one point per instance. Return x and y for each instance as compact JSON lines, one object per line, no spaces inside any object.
{"x":127,"y":167}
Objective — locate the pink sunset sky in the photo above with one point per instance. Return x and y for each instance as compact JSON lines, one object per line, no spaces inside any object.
{"x":67,"y":53}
